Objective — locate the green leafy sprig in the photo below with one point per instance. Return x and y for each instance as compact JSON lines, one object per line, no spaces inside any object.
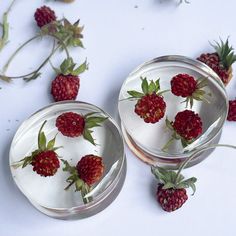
{"x":43,"y":145}
{"x":147,"y":88}
{"x":74,"y":179}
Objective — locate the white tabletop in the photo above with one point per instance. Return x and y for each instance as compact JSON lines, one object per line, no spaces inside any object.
{"x":118,"y":36}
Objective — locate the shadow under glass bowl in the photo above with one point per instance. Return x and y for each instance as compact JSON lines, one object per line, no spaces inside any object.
{"x":47,"y":194}
{"x":147,"y":140}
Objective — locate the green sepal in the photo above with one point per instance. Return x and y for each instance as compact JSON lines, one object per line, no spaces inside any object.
{"x":83,"y":67}
{"x":87,"y":134}
{"x":170,"y":179}
{"x":92,"y":121}
{"x":144,"y":85}
{"x":67,"y":167}
{"x":135,"y":94}
{"x":51,"y":143}
{"x":147,"y":88}
{"x":225,"y":52}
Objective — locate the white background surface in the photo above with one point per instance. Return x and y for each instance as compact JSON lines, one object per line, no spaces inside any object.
{"x":118,"y":37}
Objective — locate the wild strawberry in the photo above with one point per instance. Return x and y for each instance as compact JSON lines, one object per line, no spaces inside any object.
{"x":220,"y":61}
{"x":72,"y":125}
{"x":65,"y":87}
{"x":90,"y":169}
{"x":187,"y":126}
{"x":44,"y":15}
{"x":86,"y":173}
{"x":171,"y":191}
{"x":232,"y":111}
{"x":66,"y":84}
{"x":150,"y":106}
{"x":44,"y":160}
{"x":45,"y":163}
{"x":186,"y":86}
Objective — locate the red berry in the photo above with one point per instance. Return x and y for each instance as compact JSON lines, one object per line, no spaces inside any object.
{"x":183,"y":85}
{"x":213,"y":61}
{"x":90,"y":169}
{"x":44,"y":15}
{"x":187,"y":124}
{"x":171,"y":199}
{"x":45,"y":163}
{"x":232,"y":111}
{"x":151,"y":108}
{"x":65,"y":87}
{"x":70,"y":124}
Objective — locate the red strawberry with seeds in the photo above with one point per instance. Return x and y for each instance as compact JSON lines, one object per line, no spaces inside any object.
{"x":186,"y":86}
{"x":186,"y":127}
{"x":44,"y":15}
{"x":232,"y":111}
{"x":90,"y":169}
{"x":44,"y":160}
{"x":66,"y":84}
{"x":87,"y":172}
{"x":45,"y":163}
{"x":171,"y":191}
{"x":221,"y":60}
{"x":150,"y":106}
{"x":72,"y":125}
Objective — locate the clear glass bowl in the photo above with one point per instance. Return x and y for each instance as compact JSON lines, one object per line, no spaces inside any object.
{"x":47,"y":193}
{"x":147,"y":140}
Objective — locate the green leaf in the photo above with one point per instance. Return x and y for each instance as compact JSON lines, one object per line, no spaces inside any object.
{"x":27,"y":161}
{"x":42,"y":141}
{"x":51,"y":143}
{"x":135,"y":94}
{"x":66,"y":64}
{"x":144,"y":85}
{"x":80,"y":69}
{"x":202,"y":83}
{"x":157,"y":83}
{"x":78,"y":184}
{"x":168,"y":185}
{"x":96,"y":119}
{"x":67,"y":167}
{"x":152,"y":87}
{"x":41,"y":137}
{"x":88,"y":136}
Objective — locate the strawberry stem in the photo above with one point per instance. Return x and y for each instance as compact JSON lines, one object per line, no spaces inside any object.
{"x":183,"y":165}
{"x":68,"y":186}
{"x":165,"y":148}
{"x":16,"y":52}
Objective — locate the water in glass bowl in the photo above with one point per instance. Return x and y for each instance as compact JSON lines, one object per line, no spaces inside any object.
{"x":48,"y":192}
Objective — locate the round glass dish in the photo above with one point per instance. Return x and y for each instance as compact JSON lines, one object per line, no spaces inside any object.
{"x":47,"y":194}
{"x":146,"y":140}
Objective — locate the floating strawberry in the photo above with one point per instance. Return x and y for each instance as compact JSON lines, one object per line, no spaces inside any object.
{"x":220,"y":61}
{"x":86,"y":173}
{"x":171,"y":191}
{"x":44,"y":15}
{"x":44,"y":160}
{"x":232,"y":111}
{"x":72,"y":125}
{"x":186,"y":86}
{"x":66,"y":84}
{"x":187,"y":126}
{"x":150,"y":106}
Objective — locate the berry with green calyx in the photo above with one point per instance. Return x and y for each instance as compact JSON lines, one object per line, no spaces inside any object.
{"x":150,"y":104}
{"x":67,"y":82}
{"x":72,"y":124}
{"x":221,"y":60}
{"x":44,"y":160}
{"x":171,"y":191}
{"x":85,"y":174}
